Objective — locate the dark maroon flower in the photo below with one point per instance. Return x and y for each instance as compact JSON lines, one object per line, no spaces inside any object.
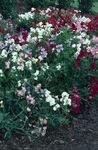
{"x":1,"y":30}
{"x":92,"y":79}
{"x":93,"y":66}
{"x":94,"y":89}
{"x":16,"y":39}
{"x":73,"y":27}
{"x":44,"y":22}
{"x":25,"y":34}
{"x":75,"y":101}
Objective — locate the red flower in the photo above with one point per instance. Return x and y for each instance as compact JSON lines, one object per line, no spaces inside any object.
{"x":92,"y":79}
{"x":1,"y":30}
{"x":80,"y":56}
{"x":93,"y":66}
{"x":78,"y":60}
{"x":73,"y":27}
{"x":75,"y":101}
{"x":16,"y":39}
{"x":92,"y":25}
{"x":75,"y":104}
{"x":44,"y":22}
{"x":25,"y":34}
{"x":94,"y":89}
{"x":96,"y":18}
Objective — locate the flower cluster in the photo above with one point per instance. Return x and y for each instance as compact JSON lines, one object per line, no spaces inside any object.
{"x":48,"y":68}
{"x":55,"y":100}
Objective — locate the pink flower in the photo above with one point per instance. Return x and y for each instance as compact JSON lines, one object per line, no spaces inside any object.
{"x":30,"y":99}
{"x":7,"y":64}
{"x":28,"y":54}
{"x":95,"y":39}
{"x":90,"y":97}
{"x":94,"y":51}
{"x":81,"y":41}
{"x":21,"y":92}
{"x":38,"y":88}
{"x":78,"y":26}
{"x":43,"y":121}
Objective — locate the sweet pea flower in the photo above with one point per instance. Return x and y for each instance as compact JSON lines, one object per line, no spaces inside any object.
{"x":95,"y":39}
{"x":31,"y":99}
{"x":7,"y":64}
{"x":21,"y":92}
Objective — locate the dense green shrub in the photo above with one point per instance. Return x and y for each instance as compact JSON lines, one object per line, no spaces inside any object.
{"x":39,"y":4}
{"x":85,"y":5}
{"x":7,"y":7}
{"x":64,"y":4}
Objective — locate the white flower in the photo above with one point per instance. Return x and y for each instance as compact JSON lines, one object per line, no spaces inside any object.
{"x":25,"y":80}
{"x":65,"y":94}
{"x":52,"y":101}
{"x":29,"y":64}
{"x":1,"y":73}
{"x":88,"y":20}
{"x":40,"y":24}
{"x":18,"y":47}
{"x":21,"y":67}
{"x":34,"y":60}
{"x":73,"y":45}
{"x":45,"y":67}
{"x":47,"y":93}
{"x":83,"y":34}
{"x":87,"y":42}
{"x":40,"y":37}
{"x":19,"y":83}
{"x":13,"y":68}
{"x":67,"y":101}
{"x":14,"y":56}
{"x":58,"y":67}
{"x":85,"y":20}
{"x":48,"y":98}
{"x":40,"y":58}
{"x":36,"y":73}
{"x":4,"y":53}
{"x":78,"y":45}
{"x":1,"y":104}
{"x":32,"y":9}
{"x":28,"y":109}
{"x":32,"y":30}
{"x":77,"y":53}
{"x":26,"y":16}
{"x":56,"y":107}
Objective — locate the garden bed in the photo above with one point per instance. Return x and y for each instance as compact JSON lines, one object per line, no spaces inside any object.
{"x":82,"y":134}
{"x":48,"y":71}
